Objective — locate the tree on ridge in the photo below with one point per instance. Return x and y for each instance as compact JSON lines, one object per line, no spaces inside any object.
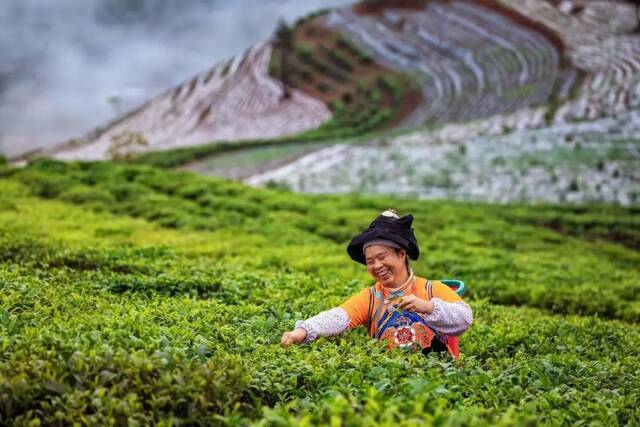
{"x":284,"y":43}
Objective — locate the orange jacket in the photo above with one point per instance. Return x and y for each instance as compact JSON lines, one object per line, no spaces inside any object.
{"x":372,"y":305}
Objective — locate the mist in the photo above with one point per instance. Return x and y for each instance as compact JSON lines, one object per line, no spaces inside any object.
{"x":67,"y":66}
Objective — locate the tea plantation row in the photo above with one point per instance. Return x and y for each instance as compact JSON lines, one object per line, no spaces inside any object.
{"x":132,"y":295}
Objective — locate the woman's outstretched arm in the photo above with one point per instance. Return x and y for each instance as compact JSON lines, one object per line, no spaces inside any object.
{"x":331,"y":322}
{"x":326,"y":324}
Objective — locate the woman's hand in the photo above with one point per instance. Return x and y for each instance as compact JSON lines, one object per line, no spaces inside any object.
{"x":415,"y":304}
{"x":293,"y":337}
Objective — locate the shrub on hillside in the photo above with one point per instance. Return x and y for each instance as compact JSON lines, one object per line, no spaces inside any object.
{"x":340,"y":60}
{"x":194,"y":190}
{"x":43,"y":184}
{"x":375,"y":96}
{"x":175,"y":388}
{"x":306,"y":76}
{"x":347,"y":97}
{"x":226,"y":204}
{"x":85,"y":194}
{"x":348,"y":46}
{"x":337,"y":76}
{"x":320,"y":67}
{"x":125,"y":191}
{"x":284,"y":202}
{"x":304,"y":53}
{"x":51,"y":165}
{"x":163,"y":182}
{"x":365,"y":59}
{"x":5,"y":170}
{"x":337,"y":107}
{"x":391,"y":85}
{"x":323,"y":87}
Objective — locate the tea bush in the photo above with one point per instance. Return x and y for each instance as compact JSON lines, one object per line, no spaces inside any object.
{"x":134,"y":295}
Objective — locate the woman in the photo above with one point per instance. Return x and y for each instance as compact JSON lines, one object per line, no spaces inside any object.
{"x":405,"y":310}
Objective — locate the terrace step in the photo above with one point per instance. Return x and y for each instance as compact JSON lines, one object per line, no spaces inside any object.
{"x":472,"y":62}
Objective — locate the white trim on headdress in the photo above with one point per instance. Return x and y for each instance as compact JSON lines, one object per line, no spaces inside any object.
{"x":390,"y":214}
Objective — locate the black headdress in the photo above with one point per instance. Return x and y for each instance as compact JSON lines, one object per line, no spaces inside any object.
{"x":386,"y":227}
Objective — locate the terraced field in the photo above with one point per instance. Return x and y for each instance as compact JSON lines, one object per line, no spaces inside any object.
{"x":134,"y":295}
{"x":471,"y":61}
{"x":362,"y":94}
{"x":581,"y":147}
{"x":364,"y":68}
{"x":600,"y":41}
{"x":234,"y":100}
{"x":594,"y":161}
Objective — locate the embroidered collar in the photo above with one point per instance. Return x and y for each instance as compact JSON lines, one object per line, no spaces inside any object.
{"x":391,"y":294}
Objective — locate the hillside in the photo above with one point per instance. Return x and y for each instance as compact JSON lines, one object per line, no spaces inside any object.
{"x":578,"y":150}
{"x":233,"y":100}
{"x":137,"y":295}
{"x":587,"y":162}
{"x":381,"y":65}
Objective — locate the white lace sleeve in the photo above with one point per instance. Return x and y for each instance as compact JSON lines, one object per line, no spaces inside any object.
{"x":450,"y":318}
{"x":325,"y":324}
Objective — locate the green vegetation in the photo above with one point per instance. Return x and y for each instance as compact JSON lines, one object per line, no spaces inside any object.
{"x":134,"y":295}
{"x":605,"y":224}
{"x":284,"y":46}
{"x":363,"y":95}
{"x":348,"y":46}
{"x":243,"y":163}
{"x":181,"y":156}
{"x":304,"y":53}
{"x":328,"y":132}
{"x":364,"y":111}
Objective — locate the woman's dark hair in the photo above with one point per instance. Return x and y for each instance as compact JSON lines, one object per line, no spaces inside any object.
{"x":406,"y":257}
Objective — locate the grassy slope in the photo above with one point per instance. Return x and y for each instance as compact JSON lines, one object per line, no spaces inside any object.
{"x":130,"y":292}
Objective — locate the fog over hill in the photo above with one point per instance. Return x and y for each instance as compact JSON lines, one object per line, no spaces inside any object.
{"x":68,"y":66}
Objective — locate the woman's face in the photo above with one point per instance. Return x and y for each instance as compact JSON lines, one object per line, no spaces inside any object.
{"x":386,"y":265}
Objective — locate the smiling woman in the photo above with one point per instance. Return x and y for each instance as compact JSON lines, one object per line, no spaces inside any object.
{"x":402,"y":309}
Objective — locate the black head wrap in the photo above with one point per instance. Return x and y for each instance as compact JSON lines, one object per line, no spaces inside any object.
{"x":397,"y":230}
